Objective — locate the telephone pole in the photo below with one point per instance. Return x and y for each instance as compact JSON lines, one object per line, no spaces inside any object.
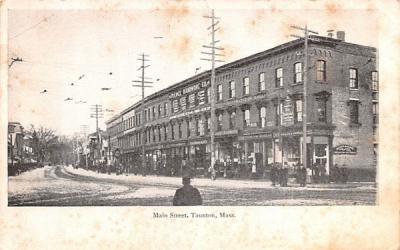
{"x":143,"y":58}
{"x":305,"y":82}
{"x":213,"y":55}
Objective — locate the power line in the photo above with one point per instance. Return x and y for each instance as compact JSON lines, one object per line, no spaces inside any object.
{"x":29,"y":28}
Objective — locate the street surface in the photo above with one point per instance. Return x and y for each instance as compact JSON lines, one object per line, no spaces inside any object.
{"x":65,"y":186}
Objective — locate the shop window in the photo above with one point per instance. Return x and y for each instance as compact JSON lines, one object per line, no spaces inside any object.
{"x":261,"y":82}
{"x":232,"y":120}
{"x":246,"y":86}
{"x":353,"y":106}
{"x":219,"y":122}
{"x":298,"y":72}
{"x":321,"y":70}
{"x":374,"y":78}
{"x":263,"y":117}
{"x":353,"y":78}
{"x":219,"y":92}
{"x":232,"y":92}
{"x":279,"y":77}
{"x":246,"y":117}
{"x":321,"y":110}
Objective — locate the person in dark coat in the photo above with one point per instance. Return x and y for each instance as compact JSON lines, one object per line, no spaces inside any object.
{"x":274,"y":174}
{"x":187,"y":195}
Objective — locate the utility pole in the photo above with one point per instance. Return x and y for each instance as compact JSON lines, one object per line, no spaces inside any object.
{"x":213,"y":54}
{"x":142,"y":85}
{"x":97,"y":112}
{"x":305,"y":83}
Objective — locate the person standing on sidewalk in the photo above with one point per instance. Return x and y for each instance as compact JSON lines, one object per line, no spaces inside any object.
{"x":187,"y":195}
{"x":274,"y":174}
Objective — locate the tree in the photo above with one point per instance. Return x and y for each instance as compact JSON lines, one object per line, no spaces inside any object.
{"x":42,"y":139}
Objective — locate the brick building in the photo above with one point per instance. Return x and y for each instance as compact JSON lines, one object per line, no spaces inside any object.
{"x":259,"y":102}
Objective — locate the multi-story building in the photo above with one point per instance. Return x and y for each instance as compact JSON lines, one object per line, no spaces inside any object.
{"x":259,"y":101}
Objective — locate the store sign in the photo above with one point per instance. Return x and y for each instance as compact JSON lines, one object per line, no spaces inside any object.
{"x":287,"y":112}
{"x":226,"y":132}
{"x":189,"y":97}
{"x":345,"y":149}
{"x":198,"y":142}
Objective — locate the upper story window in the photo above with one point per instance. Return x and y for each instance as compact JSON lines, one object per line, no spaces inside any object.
{"x":298,"y":110}
{"x":201,"y":127}
{"x":219,"y":92}
{"x":232,"y":120}
{"x":165,"y":108}
{"x":154,"y":112}
{"x":208,"y":124}
{"x":219,"y":122}
{"x":375,"y":110}
{"x":154,"y":134}
{"x":353,"y":106}
{"x":159,"y":110}
{"x":321,"y":109}
{"x":246,"y":86}
{"x":263,"y":116}
{"x":353,"y":78}
{"x":298,"y":72}
{"x":374,"y":78}
{"x":145,"y":114}
{"x":180,"y":130}
{"x":261,"y":82}
{"x":159,"y":133}
{"x":165,"y":132}
{"x":246,"y":117}
{"x":232,"y":92}
{"x":172,"y":132}
{"x":208,"y":98}
{"x":321,"y":70}
{"x":279,"y":77}
{"x":278,"y":116}
{"x":189,"y":127}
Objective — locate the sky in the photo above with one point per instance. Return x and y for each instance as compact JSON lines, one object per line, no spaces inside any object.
{"x":96,"y":49}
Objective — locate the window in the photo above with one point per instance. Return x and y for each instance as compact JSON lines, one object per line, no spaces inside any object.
{"x":353,"y":78}
{"x":298,"y":110}
{"x":180,"y":130}
{"x":159,"y":133}
{"x":154,"y":112}
{"x":208,"y":95}
{"x":374,"y":78}
{"x":261,"y":82}
{"x":219,"y":122}
{"x":154,"y":135}
{"x":263,"y":116}
{"x":188,"y":127}
{"x":172,"y":132}
{"x":246,"y":118}
{"x":321,"y":70}
{"x":246,"y":87}
{"x":375,"y":110}
{"x":165,"y":108}
{"x":219,"y":92}
{"x":166,"y":132}
{"x":321,"y":110}
{"x":298,"y":72}
{"x":278,"y":114}
{"x":208,"y":125}
{"x":232,"y":120}
{"x":201,"y":127}
{"x":278,"y":77}
{"x":159,"y":110}
{"x":232,"y":93}
{"x":353,"y":104}
{"x":145,"y":115}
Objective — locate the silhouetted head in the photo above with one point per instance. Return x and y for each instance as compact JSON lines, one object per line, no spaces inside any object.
{"x":186,"y":180}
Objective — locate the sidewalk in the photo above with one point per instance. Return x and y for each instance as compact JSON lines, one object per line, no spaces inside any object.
{"x":221,"y":182}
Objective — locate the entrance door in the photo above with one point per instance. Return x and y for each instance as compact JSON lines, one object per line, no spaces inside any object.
{"x":321,"y":156}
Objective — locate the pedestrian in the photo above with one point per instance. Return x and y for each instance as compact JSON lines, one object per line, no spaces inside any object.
{"x":322,"y":171}
{"x":187,"y":195}
{"x":285,"y":172}
{"x":303,"y":176}
{"x":274,"y":174}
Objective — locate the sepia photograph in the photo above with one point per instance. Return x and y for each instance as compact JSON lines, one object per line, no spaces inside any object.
{"x":175,"y":106}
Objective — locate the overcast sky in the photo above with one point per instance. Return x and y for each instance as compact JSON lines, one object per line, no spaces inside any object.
{"x":58,"y":47}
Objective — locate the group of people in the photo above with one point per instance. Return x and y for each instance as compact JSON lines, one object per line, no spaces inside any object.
{"x":280,"y":174}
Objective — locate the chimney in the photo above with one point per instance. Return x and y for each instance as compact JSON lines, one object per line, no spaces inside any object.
{"x":340,"y":35}
{"x":330,"y":33}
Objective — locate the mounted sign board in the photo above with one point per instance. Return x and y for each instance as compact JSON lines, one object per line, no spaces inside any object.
{"x":345,"y":149}
{"x":287,"y":112}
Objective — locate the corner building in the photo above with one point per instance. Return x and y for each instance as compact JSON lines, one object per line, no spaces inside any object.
{"x":259,"y":102}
